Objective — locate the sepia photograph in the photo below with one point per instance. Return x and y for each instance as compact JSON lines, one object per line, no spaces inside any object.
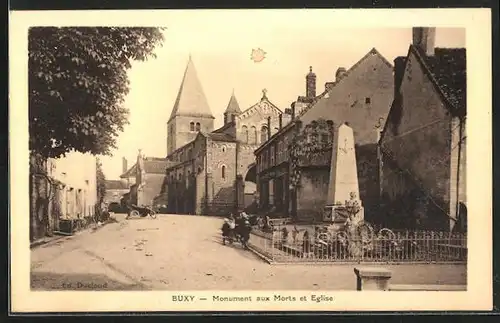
{"x":293,"y":157}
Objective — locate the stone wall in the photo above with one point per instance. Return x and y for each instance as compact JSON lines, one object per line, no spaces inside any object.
{"x":180,"y":132}
{"x":417,"y":143}
{"x":222,"y":166}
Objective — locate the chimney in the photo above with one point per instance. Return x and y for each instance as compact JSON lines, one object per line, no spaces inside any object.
{"x":311,"y":84}
{"x":399,"y":69}
{"x":329,"y":86}
{"x":268,"y":127}
{"x":341,"y":72}
{"x":424,"y":39}
{"x":124,"y":165}
{"x":280,"y":120}
{"x":293,"y":110}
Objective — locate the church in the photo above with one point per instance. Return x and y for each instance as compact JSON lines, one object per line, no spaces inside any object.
{"x":212,"y":171}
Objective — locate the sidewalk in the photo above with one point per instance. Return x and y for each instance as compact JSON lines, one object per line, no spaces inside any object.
{"x":61,"y":236}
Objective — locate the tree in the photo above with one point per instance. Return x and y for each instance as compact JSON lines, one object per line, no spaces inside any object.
{"x":77,"y":85}
{"x":101,"y":183}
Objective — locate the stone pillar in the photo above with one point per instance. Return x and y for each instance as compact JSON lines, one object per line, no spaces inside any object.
{"x":372,"y":278}
{"x":240,"y":192}
{"x":343,"y":185}
{"x":268,"y":128}
{"x":271,"y":191}
{"x":209,"y":193}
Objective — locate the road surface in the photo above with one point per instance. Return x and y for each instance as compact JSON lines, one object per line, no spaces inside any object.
{"x":182,"y":252}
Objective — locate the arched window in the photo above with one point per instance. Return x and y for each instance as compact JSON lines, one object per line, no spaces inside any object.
{"x":191,"y":126}
{"x":223,"y":148}
{"x":263,"y":134}
{"x":223,"y":172}
{"x":253,"y":135}
{"x":198,"y":126}
{"x":244,"y":132}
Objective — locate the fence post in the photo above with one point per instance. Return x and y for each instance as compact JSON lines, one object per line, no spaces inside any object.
{"x":372,"y":278}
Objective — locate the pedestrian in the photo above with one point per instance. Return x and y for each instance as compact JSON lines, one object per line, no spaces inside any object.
{"x":226,"y":231}
{"x":244,"y":231}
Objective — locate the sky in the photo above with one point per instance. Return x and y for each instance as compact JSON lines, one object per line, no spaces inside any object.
{"x":222,"y":57}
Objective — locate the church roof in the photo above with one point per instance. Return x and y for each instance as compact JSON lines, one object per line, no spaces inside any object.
{"x":152,"y":165}
{"x":220,"y":136}
{"x":112,"y":184}
{"x":155,"y":165}
{"x":191,"y":100}
{"x":130,"y":172}
{"x":233,"y":106}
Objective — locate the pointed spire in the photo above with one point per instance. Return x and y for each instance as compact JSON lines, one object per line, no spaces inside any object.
{"x":191,"y":100}
{"x":233,"y":106}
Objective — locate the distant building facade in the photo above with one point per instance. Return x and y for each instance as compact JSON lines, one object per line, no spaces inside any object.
{"x":209,"y":171}
{"x":423,"y":144}
{"x":115,"y":189}
{"x":149,"y":177}
{"x":293,"y":166}
{"x":61,"y":189}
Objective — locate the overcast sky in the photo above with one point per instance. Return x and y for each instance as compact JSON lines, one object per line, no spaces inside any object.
{"x":221,"y":54}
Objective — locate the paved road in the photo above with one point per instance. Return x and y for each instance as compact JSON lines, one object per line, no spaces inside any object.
{"x":175,"y":252}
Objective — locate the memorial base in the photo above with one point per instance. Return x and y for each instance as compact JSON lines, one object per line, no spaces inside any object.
{"x":339,"y":214}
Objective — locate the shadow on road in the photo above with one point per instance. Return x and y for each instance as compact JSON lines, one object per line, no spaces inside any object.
{"x":81,"y":282}
{"x":236,"y":246}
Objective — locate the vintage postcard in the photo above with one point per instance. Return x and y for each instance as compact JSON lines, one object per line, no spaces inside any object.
{"x":256,"y":160}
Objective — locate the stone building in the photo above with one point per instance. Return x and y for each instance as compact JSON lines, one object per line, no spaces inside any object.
{"x":293,"y":166}
{"x":209,"y":170}
{"x":149,"y":178}
{"x":423,"y":144}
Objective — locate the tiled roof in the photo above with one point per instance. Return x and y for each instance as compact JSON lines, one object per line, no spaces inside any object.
{"x":154,"y":165}
{"x":220,"y":136}
{"x":224,"y":127}
{"x":191,"y":100}
{"x":448,"y":68}
{"x":115,"y":185}
{"x":130,"y":172}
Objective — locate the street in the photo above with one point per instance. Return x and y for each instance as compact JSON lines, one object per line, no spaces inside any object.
{"x":182,"y":252}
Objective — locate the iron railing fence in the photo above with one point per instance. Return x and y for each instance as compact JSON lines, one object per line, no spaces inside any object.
{"x":384,"y":246}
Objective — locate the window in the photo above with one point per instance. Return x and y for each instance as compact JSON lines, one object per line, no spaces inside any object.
{"x":272,"y":156}
{"x":324,"y":138}
{"x":263,"y":134}
{"x":223,"y":149}
{"x":223,"y":172}
{"x":253,"y":133}
{"x":191,"y":126}
{"x":198,"y":126}
{"x":368,"y":100}
{"x":244,"y":132}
